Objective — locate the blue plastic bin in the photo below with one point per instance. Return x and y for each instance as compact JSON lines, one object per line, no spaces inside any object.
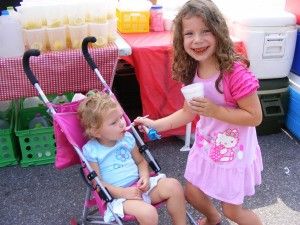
{"x":296,"y":61}
{"x":292,"y":121}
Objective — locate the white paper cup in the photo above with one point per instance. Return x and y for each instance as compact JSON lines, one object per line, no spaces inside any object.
{"x":192,"y":91}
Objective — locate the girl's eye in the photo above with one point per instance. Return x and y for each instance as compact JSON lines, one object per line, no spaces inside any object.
{"x":206,"y":31}
{"x":188,"y":33}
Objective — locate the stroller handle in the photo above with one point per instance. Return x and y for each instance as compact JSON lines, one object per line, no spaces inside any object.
{"x":86,"y":53}
{"x":26,"y":66}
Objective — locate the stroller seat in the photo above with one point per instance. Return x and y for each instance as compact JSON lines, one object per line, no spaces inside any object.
{"x":69,"y":133}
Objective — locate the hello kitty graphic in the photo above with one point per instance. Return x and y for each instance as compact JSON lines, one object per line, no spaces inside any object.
{"x":226,"y":146}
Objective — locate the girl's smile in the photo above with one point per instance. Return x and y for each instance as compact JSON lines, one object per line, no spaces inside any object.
{"x":200,"y":50}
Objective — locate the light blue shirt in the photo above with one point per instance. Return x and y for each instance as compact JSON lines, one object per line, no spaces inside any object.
{"x":116,"y":164}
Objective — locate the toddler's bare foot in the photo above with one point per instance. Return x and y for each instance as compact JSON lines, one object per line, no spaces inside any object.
{"x":204,"y":221}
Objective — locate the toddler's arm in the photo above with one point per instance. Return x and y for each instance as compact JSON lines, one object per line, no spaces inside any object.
{"x":143,"y":182}
{"x":118,"y":192}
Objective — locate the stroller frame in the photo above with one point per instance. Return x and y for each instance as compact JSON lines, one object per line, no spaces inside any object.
{"x":88,"y":216}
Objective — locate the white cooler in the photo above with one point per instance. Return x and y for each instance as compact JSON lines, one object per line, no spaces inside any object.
{"x":269,"y":39}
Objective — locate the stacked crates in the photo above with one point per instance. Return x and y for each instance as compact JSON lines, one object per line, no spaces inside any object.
{"x":9,"y":154}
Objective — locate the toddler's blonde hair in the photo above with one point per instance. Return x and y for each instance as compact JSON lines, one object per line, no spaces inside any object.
{"x":92,"y":109}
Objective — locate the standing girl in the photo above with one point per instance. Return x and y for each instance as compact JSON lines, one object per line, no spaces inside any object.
{"x":225,"y":160}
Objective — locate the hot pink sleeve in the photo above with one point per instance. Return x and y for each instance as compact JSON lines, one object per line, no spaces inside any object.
{"x":242,"y":82}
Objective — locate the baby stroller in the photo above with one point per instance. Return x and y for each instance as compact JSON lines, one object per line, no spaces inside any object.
{"x":70,"y":140}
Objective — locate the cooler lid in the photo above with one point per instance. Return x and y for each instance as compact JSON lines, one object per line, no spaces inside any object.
{"x":265,"y":19}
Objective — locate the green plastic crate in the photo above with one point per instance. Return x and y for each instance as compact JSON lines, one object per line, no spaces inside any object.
{"x":9,"y":154}
{"x":37,"y":145}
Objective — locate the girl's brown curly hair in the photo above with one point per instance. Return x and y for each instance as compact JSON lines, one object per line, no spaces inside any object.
{"x":184,"y":66}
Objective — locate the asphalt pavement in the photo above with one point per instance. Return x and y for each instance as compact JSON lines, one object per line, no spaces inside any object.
{"x":43,"y":195}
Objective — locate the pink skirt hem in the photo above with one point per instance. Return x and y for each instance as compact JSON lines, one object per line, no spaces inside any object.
{"x":229,"y":185}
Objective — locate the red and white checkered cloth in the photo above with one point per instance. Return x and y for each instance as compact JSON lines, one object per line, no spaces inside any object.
{"x":57,"y":72}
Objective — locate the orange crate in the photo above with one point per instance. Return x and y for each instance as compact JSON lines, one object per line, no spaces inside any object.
{"x":133,"y":21}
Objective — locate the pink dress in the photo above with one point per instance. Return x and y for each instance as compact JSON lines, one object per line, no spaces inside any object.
{"x":225,"y":160}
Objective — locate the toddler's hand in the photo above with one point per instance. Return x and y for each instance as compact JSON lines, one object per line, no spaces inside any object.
{"x":143,"y":184}
{"x":132,"y":193}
